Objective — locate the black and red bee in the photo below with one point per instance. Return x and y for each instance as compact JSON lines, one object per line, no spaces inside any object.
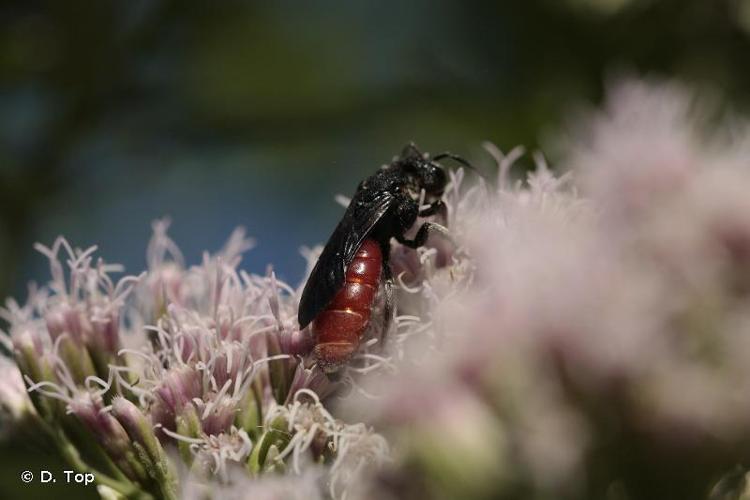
{"x":340,"y":293}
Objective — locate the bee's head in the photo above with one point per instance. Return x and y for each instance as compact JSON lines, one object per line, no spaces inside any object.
{"x":422,"y":172}
{"x":425,"y":172}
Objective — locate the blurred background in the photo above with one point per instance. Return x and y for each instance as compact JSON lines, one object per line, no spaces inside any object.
{"x":113,"y":114}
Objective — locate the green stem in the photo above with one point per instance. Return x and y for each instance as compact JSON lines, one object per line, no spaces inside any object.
{"x":70,"y":454}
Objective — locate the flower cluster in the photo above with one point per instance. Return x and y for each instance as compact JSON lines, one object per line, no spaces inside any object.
{"x":588,"y":337}
{"x":196,"y":373}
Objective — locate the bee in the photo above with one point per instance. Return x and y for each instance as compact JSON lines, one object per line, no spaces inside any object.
{"x":340,"y":293}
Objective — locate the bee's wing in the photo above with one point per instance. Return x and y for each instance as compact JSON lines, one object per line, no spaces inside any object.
{"x":327,"y":277}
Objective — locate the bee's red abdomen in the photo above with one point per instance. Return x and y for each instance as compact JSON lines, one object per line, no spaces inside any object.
{"x":339,"y":327}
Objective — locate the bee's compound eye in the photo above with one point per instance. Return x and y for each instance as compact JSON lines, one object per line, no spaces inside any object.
{"x":435,"y":180}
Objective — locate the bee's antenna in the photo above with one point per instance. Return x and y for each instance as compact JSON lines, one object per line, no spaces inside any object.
{"x":460,"y":160}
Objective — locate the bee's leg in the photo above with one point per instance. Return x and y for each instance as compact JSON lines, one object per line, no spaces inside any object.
{"x":389,"y":304}
{"x":439,"y":210}
{"x":438,"y":207}
{"x":424,"y":233}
